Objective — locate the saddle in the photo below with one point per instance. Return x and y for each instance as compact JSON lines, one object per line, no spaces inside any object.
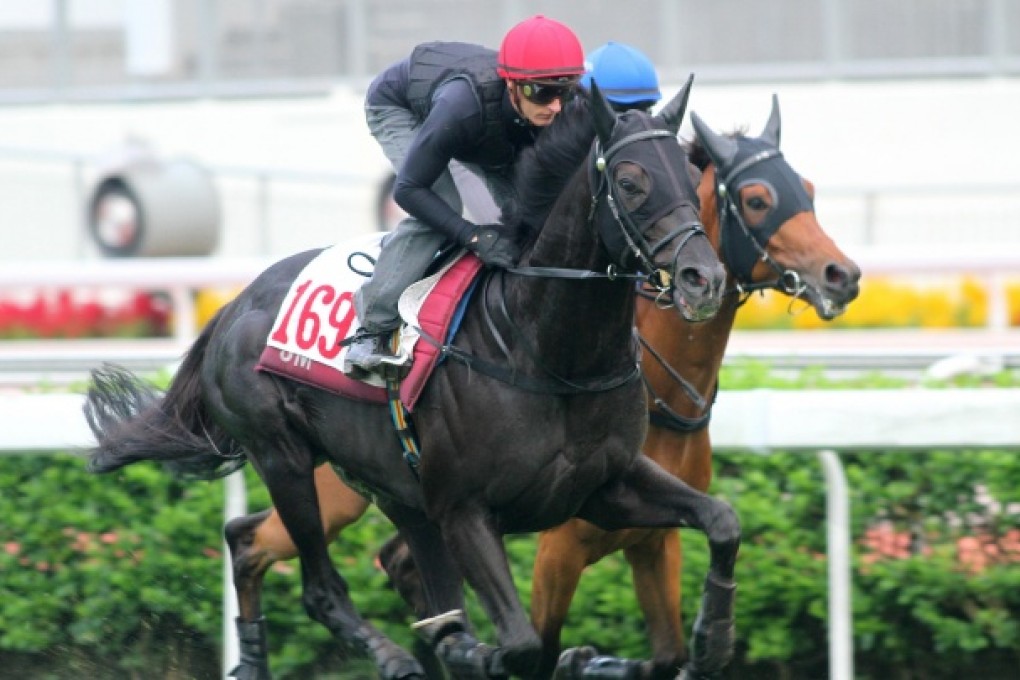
{"x":318,"y":313}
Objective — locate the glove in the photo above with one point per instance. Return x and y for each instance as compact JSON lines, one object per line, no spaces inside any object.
{"x":493,"y":248}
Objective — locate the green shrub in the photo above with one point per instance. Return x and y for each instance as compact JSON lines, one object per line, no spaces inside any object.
{"x":120,"y":576}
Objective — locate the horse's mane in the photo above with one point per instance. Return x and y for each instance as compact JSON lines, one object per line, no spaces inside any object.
{"x":698,"y":155}
{"x":545,"y":168}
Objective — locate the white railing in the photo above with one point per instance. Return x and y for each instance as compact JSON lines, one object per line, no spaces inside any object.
{"x":267,"y":210}
{"x":183,"y":276}
{"x":743,"y":421}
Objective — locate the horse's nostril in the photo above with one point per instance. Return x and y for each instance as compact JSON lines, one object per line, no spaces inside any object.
{"x":839,"y":276}
{"x":836,"y":275}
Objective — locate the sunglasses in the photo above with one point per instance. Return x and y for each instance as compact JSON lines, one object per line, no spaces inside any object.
{"x":544,"y":94}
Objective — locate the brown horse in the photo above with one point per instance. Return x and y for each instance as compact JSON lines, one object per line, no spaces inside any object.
{"x":758,"y":213}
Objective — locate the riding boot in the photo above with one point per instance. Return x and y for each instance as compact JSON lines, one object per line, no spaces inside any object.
{"x":371,"y":353}
{"x":254,"y":652}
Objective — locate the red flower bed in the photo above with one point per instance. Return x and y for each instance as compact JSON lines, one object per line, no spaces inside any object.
{"x":65,"y":314}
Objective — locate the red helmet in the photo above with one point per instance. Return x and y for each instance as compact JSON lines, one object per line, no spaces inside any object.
{"x":540,"y":48}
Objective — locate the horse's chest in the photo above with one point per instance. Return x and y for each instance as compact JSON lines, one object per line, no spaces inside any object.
{"x":583,"y":456}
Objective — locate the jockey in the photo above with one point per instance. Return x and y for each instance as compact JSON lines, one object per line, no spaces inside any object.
{"x":625,"y":76}
{"x":455,"y":101}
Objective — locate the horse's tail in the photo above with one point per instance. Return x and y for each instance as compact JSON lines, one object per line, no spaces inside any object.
{"x":132,"y":421}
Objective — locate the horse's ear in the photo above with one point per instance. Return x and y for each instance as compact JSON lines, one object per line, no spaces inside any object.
{"x":605,"y":117}
{"x":721,"y":149}
{"x":672,"y":114}
{"x":771,"y":133}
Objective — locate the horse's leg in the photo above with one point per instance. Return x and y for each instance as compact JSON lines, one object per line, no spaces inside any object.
{"x":249,"y":567}
{"x":258,"y":541}
{"x":288,"y":474}
{"x":655,"y":563}
{"x":396,"y":560}
{"x":648,"y":496}
{"x":436,"y":593}
{"x":559,"y":562}
{"x":478,"y":550}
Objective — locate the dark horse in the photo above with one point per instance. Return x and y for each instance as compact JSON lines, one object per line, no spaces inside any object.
{"x":562,"y":440}
{"x":758,"y":213}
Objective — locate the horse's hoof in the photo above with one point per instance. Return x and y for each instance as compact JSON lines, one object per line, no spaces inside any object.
{"x":689,"y":674}
{"x":426,"y":656}
{"x":392,"y":660}
{"x":611,"y":668}
{"x":254,"y":655}
{"x":465,"y":657}
{"x":572,"y":662}
{"x":712,"y":646}
{"x":245,"y":671}
{"x":402,"y":669}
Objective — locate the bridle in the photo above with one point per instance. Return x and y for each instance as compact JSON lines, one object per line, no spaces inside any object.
{"x":747,"y":250}
{"x":787,"y":280}
{"x":631,"y":246}
{"x":634,"y":244}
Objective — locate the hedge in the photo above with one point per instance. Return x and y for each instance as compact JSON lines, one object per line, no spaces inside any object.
{"x":120,"y":576}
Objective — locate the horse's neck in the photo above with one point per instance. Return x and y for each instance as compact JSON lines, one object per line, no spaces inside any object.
{"x":580,"y":322}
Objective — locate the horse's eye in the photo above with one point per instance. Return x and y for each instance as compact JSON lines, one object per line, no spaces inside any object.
{"x":628,"y":185}
{"x":757,"y":203}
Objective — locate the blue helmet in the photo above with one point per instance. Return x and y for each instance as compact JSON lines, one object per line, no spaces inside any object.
{"x":624,"y":74}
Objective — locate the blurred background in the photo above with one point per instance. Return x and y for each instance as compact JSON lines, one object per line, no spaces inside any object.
{"x":233,"y":128}
{"x":155,"y":155}
{"x":903,"y":112}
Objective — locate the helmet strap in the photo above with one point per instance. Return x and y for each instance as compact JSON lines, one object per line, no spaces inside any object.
{"x":515,"y":101}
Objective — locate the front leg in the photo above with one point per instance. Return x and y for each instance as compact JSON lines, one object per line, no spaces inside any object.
{"x":478,"y":550}
{"x":648,"y":496}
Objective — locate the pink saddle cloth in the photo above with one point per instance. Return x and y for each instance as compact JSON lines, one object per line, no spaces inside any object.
{"x":318,"y":313}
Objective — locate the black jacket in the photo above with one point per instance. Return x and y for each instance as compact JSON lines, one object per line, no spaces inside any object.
{"x":464,"y":113}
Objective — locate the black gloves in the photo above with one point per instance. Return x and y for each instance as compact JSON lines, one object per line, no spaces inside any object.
{"x":492,"y":246}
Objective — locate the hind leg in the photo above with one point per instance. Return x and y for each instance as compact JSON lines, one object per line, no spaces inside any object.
{"x":258,"y":541}
{"x":288,"y":474}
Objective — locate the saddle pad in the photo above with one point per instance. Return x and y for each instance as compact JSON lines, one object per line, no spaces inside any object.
{"x":318,"y":313}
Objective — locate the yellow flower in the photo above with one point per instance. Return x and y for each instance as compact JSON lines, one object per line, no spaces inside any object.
{"x":208,"y":301}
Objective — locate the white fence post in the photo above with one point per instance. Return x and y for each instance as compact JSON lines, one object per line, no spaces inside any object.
{"x":837,"y":512}
{"x":235,"y":504}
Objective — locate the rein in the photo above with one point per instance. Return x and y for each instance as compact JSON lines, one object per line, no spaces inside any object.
{"x":787,"y":281}
{"x":658,"y":278}
{"x":666,"y":417}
